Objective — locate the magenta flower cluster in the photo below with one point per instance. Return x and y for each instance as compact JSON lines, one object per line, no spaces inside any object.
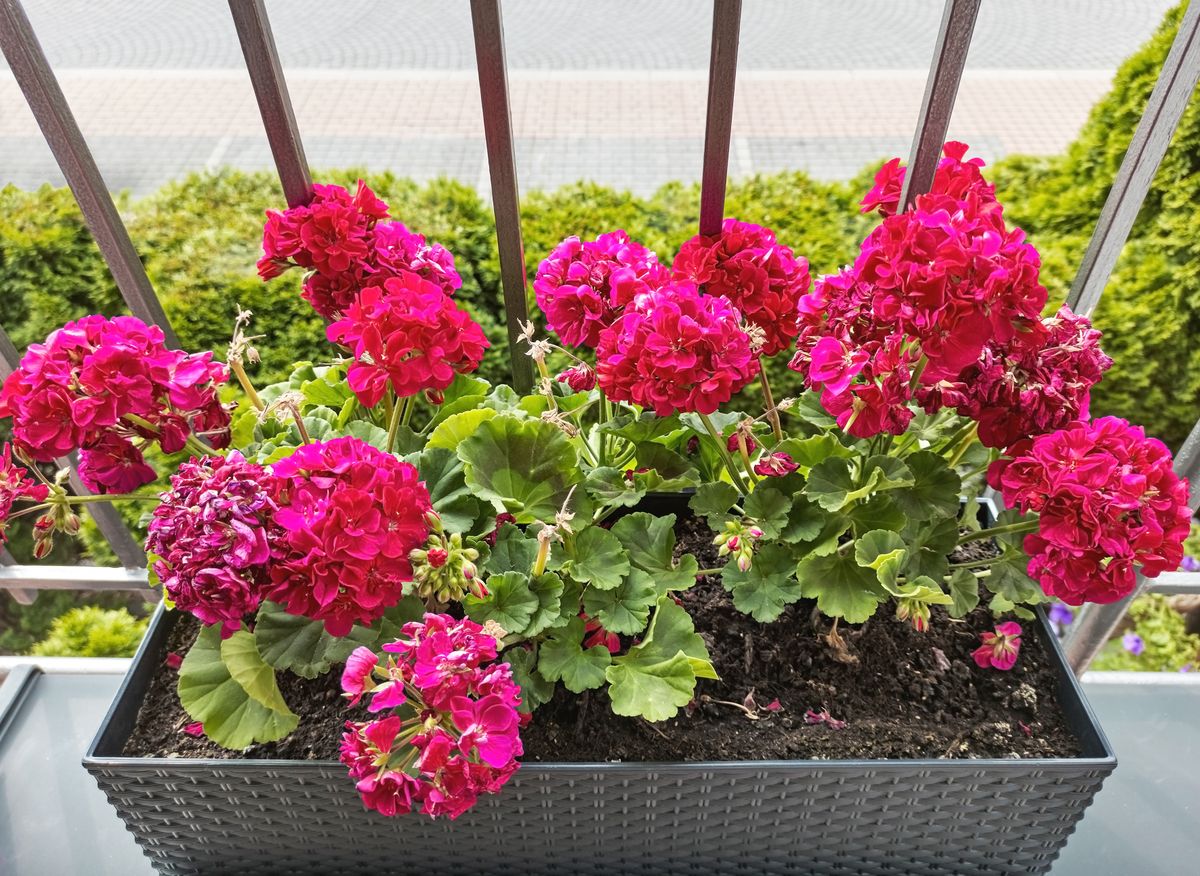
{"x":350,"y":516}
{"x":1109,"y":504}
{"x":211,"y":538}
{"x":407,"y":333}
{"x":761,"y":277}
{"x":457,"y":736}
{"x":583,"y":287}
{"x":943,"y":306}
{"x":15,"y":485}
{"x":347,"y":243}
{"x":107,"y":387}
{"x":676,"y":349}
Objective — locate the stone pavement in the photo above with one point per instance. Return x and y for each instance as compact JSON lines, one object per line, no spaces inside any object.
{"x":611,"y":90}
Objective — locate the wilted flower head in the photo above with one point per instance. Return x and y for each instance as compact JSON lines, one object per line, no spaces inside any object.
{"x":675,"y":350}
{"x":1000,"y":648}
{"x":211,"y":538}
{"x":775,"y":465}
{"x":1109,"y":503}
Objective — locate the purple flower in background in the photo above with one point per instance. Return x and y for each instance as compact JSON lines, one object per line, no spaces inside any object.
{"x":1133,"y":643}
{"x":1061,"y":614}
{"x":1190,"y":564}
{"x":1187,"y":667}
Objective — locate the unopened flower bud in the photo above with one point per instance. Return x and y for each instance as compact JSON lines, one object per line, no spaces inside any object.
{"x":435,"y":396}
{"x":434,"y":520}
{"x":743,"y":562}
{"x":469,"y":571}
{"x":436,"y":557}
{"x":43,"y":546}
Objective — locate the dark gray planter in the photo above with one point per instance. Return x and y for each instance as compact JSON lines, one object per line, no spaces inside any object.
{"x":836,"y":817}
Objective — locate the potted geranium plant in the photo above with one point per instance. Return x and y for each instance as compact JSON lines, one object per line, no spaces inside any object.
{"x":707,"y":630}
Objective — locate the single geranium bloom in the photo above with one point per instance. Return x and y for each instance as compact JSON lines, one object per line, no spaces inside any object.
{"x":775,"y":465}
{"x":356,"y":677}
{"x":834,"y":364}
{"x":1000,"y":648}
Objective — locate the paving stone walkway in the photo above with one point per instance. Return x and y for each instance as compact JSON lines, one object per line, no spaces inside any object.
{"x":611,"y":90}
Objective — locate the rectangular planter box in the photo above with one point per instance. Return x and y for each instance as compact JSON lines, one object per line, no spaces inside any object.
{"x":801,"y":816}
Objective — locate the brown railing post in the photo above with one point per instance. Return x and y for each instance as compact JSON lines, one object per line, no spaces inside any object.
{"x":1176,"y":82}
{"x":488,"y":29}
{"x":941,"y":88}
{"x":718,"y":126}
{"x":274,"y":104}
{"x":45,"y":97}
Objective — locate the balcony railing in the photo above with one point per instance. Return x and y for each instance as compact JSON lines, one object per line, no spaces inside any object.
{"x":32,"y":71}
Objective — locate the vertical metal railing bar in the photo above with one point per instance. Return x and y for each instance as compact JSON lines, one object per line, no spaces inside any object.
{"x":45,"y":98}
{"x":274,"y":104}
{"x":941,"y":89}
{"x":718,"y":126}
{"x":1176,"y":82}
{"x":488,"y":31}
{"x":128,"y":552}
{"x":1097,"y":623}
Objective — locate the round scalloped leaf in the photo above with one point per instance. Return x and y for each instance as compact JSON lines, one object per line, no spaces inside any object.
{"x":459,"y":427}
{"x":841,"y":586}
{"x":597,"y":558}
{"x":562,"y":657}
{"x":767,"y":587}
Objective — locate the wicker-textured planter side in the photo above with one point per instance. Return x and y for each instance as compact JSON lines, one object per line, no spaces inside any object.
{"x":929,"y":816}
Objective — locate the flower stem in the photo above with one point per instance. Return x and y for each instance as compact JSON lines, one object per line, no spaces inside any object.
{"x":394,"y":425}
{"x":769,"y":398}
{"x":247,"y":387}
{"x":1023,"y":526}
{"x":730,"y":466}
{"x":744,"y":452}
{"x":709,"y":572}
{"x":974,"y":564}
{"x":964,"y":445}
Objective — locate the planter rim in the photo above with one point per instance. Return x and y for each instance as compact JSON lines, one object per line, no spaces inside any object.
{"x":1105,"y":760}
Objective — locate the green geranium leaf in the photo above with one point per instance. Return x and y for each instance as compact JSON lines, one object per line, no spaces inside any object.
{"x":964,"y":593}
{"x":804,"y":522}
{"x":645,"y":428}
{"x":658,"y":676}
{"x":924,"y":590}
{"x":841,"y":586}
{"x":368,"y":432}
{"x":668,"y":471}
{"x":831,"y":484}
{"x":562,"y":657}
{"x":935,"y":490}
{"x":548,"y":588}
{"x":457,"y":428}
{"x":827,"y":540}
{"x":767,"y":587}
{"x":609,"y":487}
{"x":443,"y":474}
{"x":514,"y":551}
{"x":510,"y":602}
{"x":387,"y":628}
{"x":299,"y":645}
{"x":809,"y":452}
{"x":524,"y":467}
{"x":878,"y":512}
{"x":882,"y":551}
{"x":650,"y":543}
{"x":466,"y":393}
{"x":889,"y":473}
{"x":1013,"y":540}
{"x":929,"y":543}
{"x":625,"y":609}
{"x":769,"y":508}
{"x":328,"y":388}
{"x":597,"y":558}
{"x":535,"y":690}
{"x":713,"y":501}
{"x":244,"y":425}
{"x":1010,"y":579}
{"x":210,"y":694}
{"x":505,"y":400}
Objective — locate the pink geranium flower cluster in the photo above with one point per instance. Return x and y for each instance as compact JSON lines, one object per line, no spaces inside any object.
{"x":350,"y":516}
{"x":1109,"y":503}
{"x":1037,"y":381}
{"x":459,"y":737}
{"x":584,"y":286}
{"x":409,"y":333}
{"x":931,"y":288}
{"x":107,"y":387}
{"x":347,"y":243}
{"x":212,"y":535}
{"x":675,"y":349}
{"x":15,"y":484}
{"x":761,"y":277}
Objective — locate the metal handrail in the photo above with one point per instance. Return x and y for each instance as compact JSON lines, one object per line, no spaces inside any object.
{"x":32,"y":71}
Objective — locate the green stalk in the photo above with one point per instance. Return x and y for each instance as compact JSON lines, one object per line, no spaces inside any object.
{"x":769,"y":398}
{"x":730,"y":466}
{"x":1024,"y":526}
{"x":394,"y":426}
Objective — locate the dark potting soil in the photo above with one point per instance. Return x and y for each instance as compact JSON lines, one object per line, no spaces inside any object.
{"x":901,"y":694}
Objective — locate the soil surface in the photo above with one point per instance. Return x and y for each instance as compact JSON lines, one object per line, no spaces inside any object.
{"x":903,"y":694}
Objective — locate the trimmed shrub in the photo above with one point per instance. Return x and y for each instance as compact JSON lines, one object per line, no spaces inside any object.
{"x":91,"y":631}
